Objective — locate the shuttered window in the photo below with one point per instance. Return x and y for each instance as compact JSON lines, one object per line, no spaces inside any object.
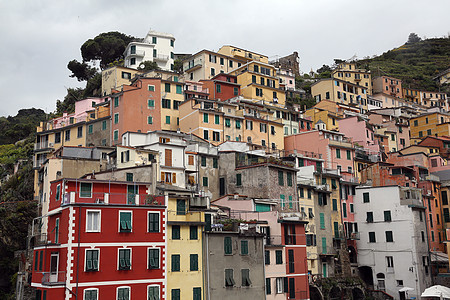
{"x":175,"y":263}
{"x":193,"y":262}
{"x":123,"y":294}
{"x":181,"y":207}
{"x":245,"y":273}
{"x":227,"y":246}
{"x":124,"y":259}
{"x":153,"y":222}
{"x":229,"y":280}
{"x":168,"y":157}
{"x":125,"y":221}
{"x":322,"y":220}
{"x":153,"y":293}
{"x":92,"y":260}
{"x":153,"y":258}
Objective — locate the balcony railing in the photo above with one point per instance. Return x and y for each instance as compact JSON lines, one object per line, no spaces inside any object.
{"x":161,"y":57}
{"x":353,"y":235}
{"x":272,"y":240}
{"x":113,"y":198}
{"x":54,"y":278}
{"x":42,"y":145}
{"x":137,"y":53}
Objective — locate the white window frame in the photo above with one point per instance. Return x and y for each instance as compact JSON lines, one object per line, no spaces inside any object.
{"x":85,"y":255}
{"x":122,"y":287}
{"x":279,"y":284}
{"x":154,"y":285}
{"x":148,"y":220}
{"x":159,"y":255}
{"x":89,"y":289}
{"x":131,"y":258}
{"x":99,"y":219}
{"x":151,"y":85}
{"x":118,"y":223}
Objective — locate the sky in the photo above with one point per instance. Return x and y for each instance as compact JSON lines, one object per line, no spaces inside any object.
{"x":39,"y":37}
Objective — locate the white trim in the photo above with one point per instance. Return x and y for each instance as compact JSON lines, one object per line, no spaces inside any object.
{"x":155,"y":285}
{"x":56,"y":194}
{"x":159,"y":256}
{"x":89,"y":289}
{"x":295,"y":246}
{"x":103,"y":283}
{"x":98,"y":245}
{"x":302,"y":274}
{"x":99,"y":220}
{"x":123,"y":287}
{"x":118,"y":223}
{"x":159,"y":218}
{"x":85,"y":256}
{"x":118,"y":257}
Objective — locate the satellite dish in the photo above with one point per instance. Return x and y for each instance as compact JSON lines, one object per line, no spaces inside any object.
{"x":141,"y":66}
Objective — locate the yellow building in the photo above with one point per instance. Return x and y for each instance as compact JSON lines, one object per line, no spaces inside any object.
{"x":330,"y":119}
{"x":207,"y":64}
{"x":350,"y":73}
{"x":430,"y":124}
{"x":341,"y":91}
{"x":115,"y":77}
{"x":243,"y":54}
{"x":259,"y":82}
{"x":412,"y":95}
{"x":184,"y":246}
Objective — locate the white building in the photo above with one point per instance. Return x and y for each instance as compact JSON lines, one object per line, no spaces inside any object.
{"x":156,"y":47}
{"x":392,"y":250}
{"x":171,"y":147}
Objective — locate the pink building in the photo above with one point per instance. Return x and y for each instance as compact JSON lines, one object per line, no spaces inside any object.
{"x":360,"y":132}
{"x":81,"y":113}
{"x":336,"y":150}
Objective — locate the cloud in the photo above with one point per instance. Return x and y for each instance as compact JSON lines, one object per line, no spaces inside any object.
{"x":40,"y":37}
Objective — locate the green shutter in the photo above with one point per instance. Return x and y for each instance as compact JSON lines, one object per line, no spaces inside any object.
{"x":176,"y":294}
{"x":344,"y":210}
{"x":193,"y":262}
{"x":322,"y":220}
{"x":238,"y":124}
{"x":85,"y":190}
{"x":235,"y":91}
{"x":280,"y":178}
{"x":335,"y":207}
{"x":289,"y":178}
{"x":175,"y":263}
{"x":387,"y":216}
{"x":125,"y":221}
{"x":324,"y":245}
{"x":167,"y":87}
{"x":175,"y":232}
{"x":349,"y":157}
{"x":193,"y":232}
{"x":283,"y":202}
{"x":181,"y":207}
{"x":227,"y":246}
{"x":41,"y":260}
{"x":215,"y":163}
{"x":262,"y":207}
{"x":205,"y":118}
{"x":336,"y":229}
{"x":179,"y":89}
{"x":238,"y":179}
{"x":153,"y":222}
{"x":366,"y":198}
{"x":197,"y":293}
{"x":167,"y":119}
{"x":216,"y":119}
{"x":153,"y":258}
{"x":244,"y":247}
{"x":302,"y":193}
{"x":278,"y":257}
{"x":227,"y":122}
{"x":205,"y":181}
{"x":290,"y":201}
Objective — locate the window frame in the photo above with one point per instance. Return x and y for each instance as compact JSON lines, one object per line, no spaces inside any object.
{"x":90,"y":193}
{"x":90,"y":290}
{"x":99,"y":211}
{"x":85,"y":260}
{"x":148,"y":221}
{"x":118,"y":258}
{"x":131,"y":221}
{"x":153,"y":286}
{"x":148,"y":258}
{"x":123,"y":287}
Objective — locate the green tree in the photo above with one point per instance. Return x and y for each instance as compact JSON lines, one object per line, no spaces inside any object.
{"x":178,"y":65}
{"x":81,"y":71}
{"x":148,"y":66}
{"x":68,"y":104}
{"x":413,"y":38}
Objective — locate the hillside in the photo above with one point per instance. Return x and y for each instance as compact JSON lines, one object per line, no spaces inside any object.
{"x":415,"y":63}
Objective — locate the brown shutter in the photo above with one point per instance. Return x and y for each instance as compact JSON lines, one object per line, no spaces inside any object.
{"x":168,"y":157}
{"x":174,"y":178}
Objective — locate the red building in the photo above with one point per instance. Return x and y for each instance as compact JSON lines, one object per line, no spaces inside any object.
{"x":294,"y":239}
{"x":95,"y":248}
{"x":222,"y":87}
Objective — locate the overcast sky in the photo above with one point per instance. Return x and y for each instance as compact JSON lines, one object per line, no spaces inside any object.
{"x":38,"y":38}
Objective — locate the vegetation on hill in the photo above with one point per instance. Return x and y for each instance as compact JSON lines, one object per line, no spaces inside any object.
{"x":415,"y":63}
{"x":20,"y":126}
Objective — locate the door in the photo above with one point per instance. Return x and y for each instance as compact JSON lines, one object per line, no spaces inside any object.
{"x":221,"y":186}
{"x":132,"y":191}
{"x":324,"y":270}
{"x":168,"y":157}
{"x":54,"y":260}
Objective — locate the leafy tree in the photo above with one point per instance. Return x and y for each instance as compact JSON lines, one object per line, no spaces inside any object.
{"x":178,"y":65}
{"x":93,"y":86}
{"x":148,"y":66}
{"x":324,"y":71}
{"x":20,"y":126}
{"x":413,"y":38}
{"x":68,"y":104}
{"x":82,"y":71}
{"x":105,"y":47}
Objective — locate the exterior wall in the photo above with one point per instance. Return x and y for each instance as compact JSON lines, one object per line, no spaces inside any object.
{"x":442,"y":143}
{"x":217,"y":262}
{"x":243,"y":54}
{"x":407,"y":250}
{"x":173,"y":113}
{"x":137,"y":157}
{"x":434,"y":99}
{"x":234,"y":132}
{"x":350,"y":73}
{"x":388,"y":85}
{"x":137,"y":118}
{"x":430,"y":125}
{"x":207,"y":64}
{"x":331,"y":122}
{"x":99,"y":132}
{"x":160,"y":52}
{"x":360,"y":132}
{"x":184,"y":279}
{"x":412,"y":95}
{"x":115,"y":77}
{"x":222,"y":87}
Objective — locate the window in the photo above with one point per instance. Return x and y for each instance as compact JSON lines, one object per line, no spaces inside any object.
{"x":238,"y":124}
{"x":125,"y":221}
{"x":176,"y":232}
{"x":216,"y":136}
{"x":90,"y":130}
{"x":227,"y":122}
{"x":352,"y":210}
{"x":216,"y":119}
{"x":175,"y":263}
{"x":289,"y":178}
{"x":203,"y":161}
{"x":366,"y":198}
{"x":58,"y":192}
{"x":281,"y":285}
{"x":149,"y":120}
{"x":349,"y":156}
{"x":238,"y":179}
{"x":167,"y":119}
{"x":267,"y":257}
{"x":124,"y":259}
{"x":193,"y":232}
{"x":338,"y":153}
{"x":322,"y":220}
{"x":153,"y":222}
{"x":175,"y":294}
{"x":58,"y":137}
{"x":279,"y":257}
{"x":244,"y":247}
{"x":389,"y":236}
{"x":227,"y":245}
{"x":229,"y":281}
{"x":215,"y":163}
{"x":218,"y":88}
{"x":249,"y":125}
{"x":245,"y":274}
{"x":67,"y":137}
{"x":93,"y":221}
{"x":153,"y":258}
{"x":335,"y":206}
{"x":372,"y":238}
{"x":268,"y":286}
{"x":91,"y":260}
{"x":104,"y":125}
{"x":280,"y":178}
{"x":165,"y":103}
{"x":197,"y":293}
{"x":369,"y":217}
{"x":181,"y":207}
{"x":86,"y":190}
{"x":390,"y":261}
{"x":213,"y":72}
{"x":89,"y":294}
{"x":235,"y":91}
{"x":387,"y":216}
{"x":416,"y":123}
{"x":116,"y":135}
{"x":193,"y":262}
{"x":153,"y":292}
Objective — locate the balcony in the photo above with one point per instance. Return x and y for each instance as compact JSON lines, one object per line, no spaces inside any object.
{"x":327,"y":250}
{"x":54,"y":278}
{"x":113,"y":199}
{"x":353,"y":235}
{"x":291,"y":216}
{"x":194,"y":65}
{"x":344,"y":143}
{"x":349,"y":178}
{"x":139,"y":53}
{"x":273,"y":240}
{"x":160,"y":57}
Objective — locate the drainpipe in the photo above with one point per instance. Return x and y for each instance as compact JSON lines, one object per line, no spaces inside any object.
{"x":78,"y":251}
